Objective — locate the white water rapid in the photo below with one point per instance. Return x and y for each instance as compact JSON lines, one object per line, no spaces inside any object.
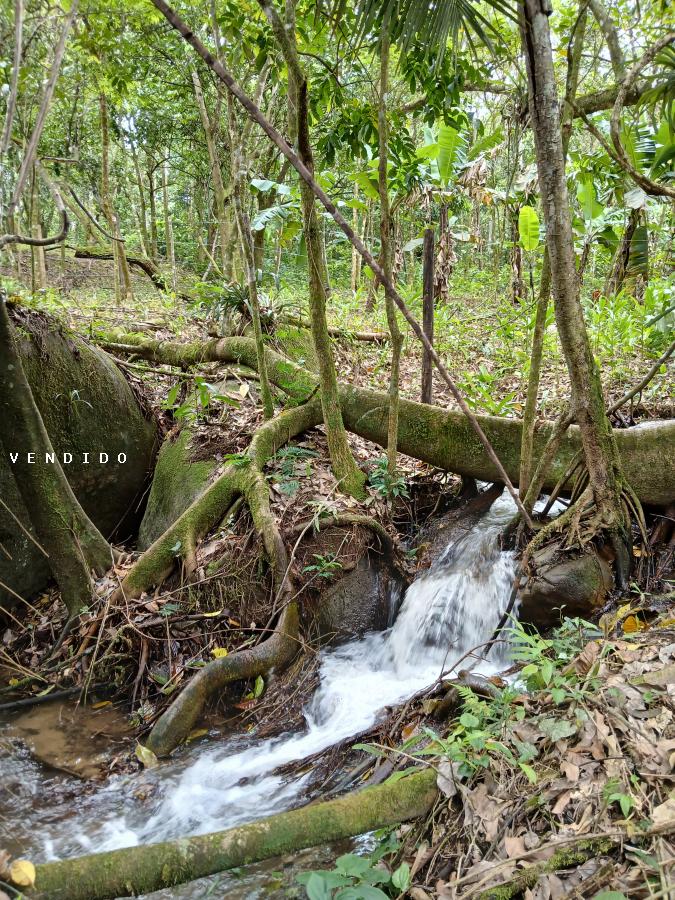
{"x":449,"y":609}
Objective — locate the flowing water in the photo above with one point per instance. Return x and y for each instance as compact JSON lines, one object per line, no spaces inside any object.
{"x":448,"y":610}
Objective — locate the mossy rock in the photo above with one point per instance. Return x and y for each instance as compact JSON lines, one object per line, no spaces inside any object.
{"x":177,"y":482}
{"x":87,"y":406}
{"x":564,"y":587}
{"x":359,"y":602}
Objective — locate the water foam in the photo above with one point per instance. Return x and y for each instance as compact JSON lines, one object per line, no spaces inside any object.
{"x":449,"y":610}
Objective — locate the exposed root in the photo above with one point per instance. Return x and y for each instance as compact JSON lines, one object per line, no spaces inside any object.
{"x":278,"y":650}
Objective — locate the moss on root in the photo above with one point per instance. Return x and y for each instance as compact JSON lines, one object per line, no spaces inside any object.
{"x":140,"y":870}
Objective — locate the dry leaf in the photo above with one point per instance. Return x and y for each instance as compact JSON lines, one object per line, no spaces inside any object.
{"x":514,"y":846}
{"x":570,"y":771}
{"x":446,"y":779}
{"x":664,"y":813}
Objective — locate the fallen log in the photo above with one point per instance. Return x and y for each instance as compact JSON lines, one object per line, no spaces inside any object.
{"x":148,"y":266}
{"x":140,"y":870}
{"x":367,"y":337}
{"x":442,"y":438}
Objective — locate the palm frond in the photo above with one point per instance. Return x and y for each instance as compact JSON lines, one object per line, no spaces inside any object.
{"x":432,"y":22}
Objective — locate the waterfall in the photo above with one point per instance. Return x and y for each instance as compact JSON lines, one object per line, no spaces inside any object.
{"x":448,"y":610}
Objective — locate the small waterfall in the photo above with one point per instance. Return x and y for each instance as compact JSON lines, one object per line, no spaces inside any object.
{"x":447,"y":611}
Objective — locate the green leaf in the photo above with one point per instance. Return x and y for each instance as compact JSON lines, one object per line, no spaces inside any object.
{"x":610,"y":895}
{"x":468,"y":720}
{"x":449,"y":140}
{"x":352,"y":864}
{"x":528,"y":228}
{"x":258,"y":687}
{"x":367,"y":184}
{"x":638,"y":254}
{"x":588,"y":202}
{"x":529,"y":771}
{"x":316,"y":886}
{"x":546,"y":671}
{"x":401,"y":877}
{"x":362,"y":892}
{"x":262,"y":184}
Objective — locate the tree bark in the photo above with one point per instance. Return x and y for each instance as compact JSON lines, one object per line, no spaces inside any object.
{"x":248,"y":255}
{"x":427,"y":313}
{"x":6,"y":138}
{"x":216,"y":173}
{"x":168,"y":225}
{"x":122,"y":273}
{"x":70,"y":540}
{"x":576,"y":44}
{"x":387,"y":250}
{"x":142,"y":205}
{"x":442,"y":438}
{"x":588,"y":406}
{"x":349,"y":476}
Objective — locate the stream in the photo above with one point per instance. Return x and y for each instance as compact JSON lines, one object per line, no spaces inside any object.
{"x":449,"y":609}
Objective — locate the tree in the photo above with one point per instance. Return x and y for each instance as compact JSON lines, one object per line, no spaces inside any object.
{"x":350,"y":478}
{"x":602,"y":503}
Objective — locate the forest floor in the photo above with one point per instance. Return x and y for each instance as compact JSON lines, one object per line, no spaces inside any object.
{"x":556,"y":791}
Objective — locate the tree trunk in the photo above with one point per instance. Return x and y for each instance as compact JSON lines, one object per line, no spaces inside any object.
{"x":443,"y":438}
{"x":39,"y":264}
{"x":216,"y":173}
{"x":387,"y":250}
{"x":152,"y":199}
{"x":121,"y":266}
{"x":350,"y":478}
{"x":142,"y":205}
{"x":530,"y":411}
{"x":517,"y":284}
{"x":72,"y":543}
{"x":168,"y":225}
{"x":239,"y":182}
{"x":588,"y":406}
{"x":428,"y":313}
{"x":617,"y":273}
{"x":145,"y":869}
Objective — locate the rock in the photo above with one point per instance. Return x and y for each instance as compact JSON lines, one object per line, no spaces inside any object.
{"x":437,"y":533}
{"x":363,"y":600}
{"x":564,"y":588}
{"x":87,"y":406}
{"x":177,"y":481}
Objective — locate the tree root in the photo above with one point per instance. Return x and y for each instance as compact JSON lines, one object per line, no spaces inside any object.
{"x":441,"y":438}
{"x":346,"y":519}
{"x":141,"y":870}
{"x":281,"y":647}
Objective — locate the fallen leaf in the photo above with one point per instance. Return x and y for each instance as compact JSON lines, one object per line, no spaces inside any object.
{"x":570,"y":771}
{"x":446,"y":779}
{"x":664,"y":813}
{"x":22,"y":872}
{"x":660,"y":676}
{"x":145,"y":756}
{"x":219,"y":652}
{"x":514,"y":846}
